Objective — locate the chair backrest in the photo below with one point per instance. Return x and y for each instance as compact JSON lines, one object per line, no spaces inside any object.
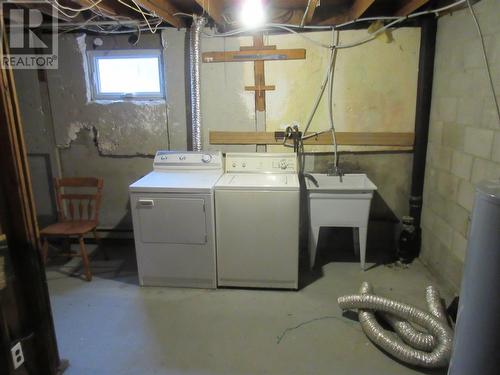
{"x":75,"y":207}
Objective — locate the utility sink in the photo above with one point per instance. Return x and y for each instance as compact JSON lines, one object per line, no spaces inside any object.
{"x":336,"y":201}
{"x":349,"y":183}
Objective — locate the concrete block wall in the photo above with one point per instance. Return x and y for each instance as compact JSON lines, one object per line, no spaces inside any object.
{"x":464,"y":135}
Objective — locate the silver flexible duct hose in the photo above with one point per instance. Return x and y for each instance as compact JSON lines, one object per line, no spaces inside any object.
{"x":194,"y":64}
{"x":368,"y":303}
{"x":434,"y":303}
{"x":411,"y":335}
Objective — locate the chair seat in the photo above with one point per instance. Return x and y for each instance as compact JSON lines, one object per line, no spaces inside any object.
{"x":69,"y":228}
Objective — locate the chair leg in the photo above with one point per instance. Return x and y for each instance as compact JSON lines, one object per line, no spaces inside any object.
{"x":99,"y":244}
{"x":85,"y":259}
{"x":45,"y":249}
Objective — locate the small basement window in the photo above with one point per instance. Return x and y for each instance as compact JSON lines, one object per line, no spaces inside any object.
{"x":118,"y":74}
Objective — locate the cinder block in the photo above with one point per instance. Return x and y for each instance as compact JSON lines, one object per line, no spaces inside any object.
{"x":484,"y":170}
{"x":428,"y":216}
{"x":453,"y":136}
{"x":459,"y":245}
{"x":440,"y":157}
{"x":465,"y":196}
{"x":447,"y":109}
{"x":458,"y":217}
{"x":478,"y":142}
{"x":496,"y":148}
{"x":430,"y":182}
{"x":442,"y":231}
{"x":469,"y":109}
{"x":489,"y":116}
{"x":447,"y":185}
{"x":437,"y":203}
{"x":436,"y":131}
{"x":461,"y":165}
{"x":473,"y":54}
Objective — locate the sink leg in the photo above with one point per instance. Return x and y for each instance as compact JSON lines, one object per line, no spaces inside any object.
{"x":313,"y":243}
{"x":362,"y":246}
{"x":355,"y":237}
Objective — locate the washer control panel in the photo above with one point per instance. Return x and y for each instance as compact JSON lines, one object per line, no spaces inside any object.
{"x":188,"y":160}
{"x":260,"y":162}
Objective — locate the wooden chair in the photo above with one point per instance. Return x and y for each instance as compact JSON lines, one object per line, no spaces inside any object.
{"x":73,"y":222}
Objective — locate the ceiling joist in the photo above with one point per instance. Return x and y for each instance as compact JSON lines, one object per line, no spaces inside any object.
{"x":309,"y":12}
{"x":107,"y":9}
{"x":409,"y":7}
{"x":356,"y":11}
{"x":163,"y":9}
{"x":214,"y":9}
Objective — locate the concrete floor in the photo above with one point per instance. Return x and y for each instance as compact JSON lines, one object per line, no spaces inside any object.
{"x":112,"y":326}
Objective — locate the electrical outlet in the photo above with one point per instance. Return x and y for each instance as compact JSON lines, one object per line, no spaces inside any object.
{"x":17,"y":355}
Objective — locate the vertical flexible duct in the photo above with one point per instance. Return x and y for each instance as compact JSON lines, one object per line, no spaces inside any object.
{"x":194,"y":65}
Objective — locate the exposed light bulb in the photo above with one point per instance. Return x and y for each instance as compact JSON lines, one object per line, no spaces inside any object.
{"x":252,"y":13}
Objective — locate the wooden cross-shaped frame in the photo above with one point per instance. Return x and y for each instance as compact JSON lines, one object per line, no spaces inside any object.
{"x":258,"y":53}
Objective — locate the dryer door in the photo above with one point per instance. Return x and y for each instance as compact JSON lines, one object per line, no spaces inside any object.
{"x":171,"y":220}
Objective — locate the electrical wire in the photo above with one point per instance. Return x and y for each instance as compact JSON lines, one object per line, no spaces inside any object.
{"x":485,"y":57}
{"x":140,"y":11}
{"x":330,"y":100}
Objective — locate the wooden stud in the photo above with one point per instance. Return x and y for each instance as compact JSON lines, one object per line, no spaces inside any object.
{"x":343,"y":138}
{"x":409,"y":7}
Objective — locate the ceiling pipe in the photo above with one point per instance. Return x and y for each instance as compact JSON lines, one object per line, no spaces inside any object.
{"x":422,"y":116}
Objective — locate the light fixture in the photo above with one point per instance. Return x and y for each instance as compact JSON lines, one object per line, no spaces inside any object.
{"x":252,"y":13}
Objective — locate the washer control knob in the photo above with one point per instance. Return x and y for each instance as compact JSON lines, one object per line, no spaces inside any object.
{"x":244,"y":165}
{"x":206,"y":158}
{"x":163,"y":157}
{"x":283,"y":164}
{"x":182,"y":157}
{"x":234,"y":165}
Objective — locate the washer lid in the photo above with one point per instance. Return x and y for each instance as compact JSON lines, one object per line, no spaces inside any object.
{"x":258,"y":181}
{"x":191,"y":182}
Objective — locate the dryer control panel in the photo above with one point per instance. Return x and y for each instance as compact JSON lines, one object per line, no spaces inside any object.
{"x":260,"y":162}
{"x":197,"y":160}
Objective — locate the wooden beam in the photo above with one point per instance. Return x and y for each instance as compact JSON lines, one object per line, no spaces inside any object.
{"x":409,"y":7}
{"x":255,"y":55}
{"x":214,"y":9}
{"x":357,"y":9}
{"x":343,"y":138}
{"x":106,"y":9}
{"x":163,"y":9}
{"x":309,"y":12}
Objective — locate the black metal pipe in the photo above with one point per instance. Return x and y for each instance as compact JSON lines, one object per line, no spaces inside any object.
{"x":422,"y":115}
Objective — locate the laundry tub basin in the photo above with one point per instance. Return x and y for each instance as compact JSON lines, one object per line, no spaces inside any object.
{"x":336,"y":201}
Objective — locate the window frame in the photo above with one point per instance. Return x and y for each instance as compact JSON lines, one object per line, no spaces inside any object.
{"x":95,"y":55}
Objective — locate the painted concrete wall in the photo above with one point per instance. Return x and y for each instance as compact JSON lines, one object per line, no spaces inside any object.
{"x":117,"y":140}
{"x":464,"y":139}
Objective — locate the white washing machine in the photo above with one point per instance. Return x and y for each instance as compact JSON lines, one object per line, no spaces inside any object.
{"x":173,"y":218}
{"x":257,"y":216}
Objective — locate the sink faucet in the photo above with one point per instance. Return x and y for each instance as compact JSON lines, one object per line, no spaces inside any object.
{"x":312,"y":179}
{"x":334,"y":170}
